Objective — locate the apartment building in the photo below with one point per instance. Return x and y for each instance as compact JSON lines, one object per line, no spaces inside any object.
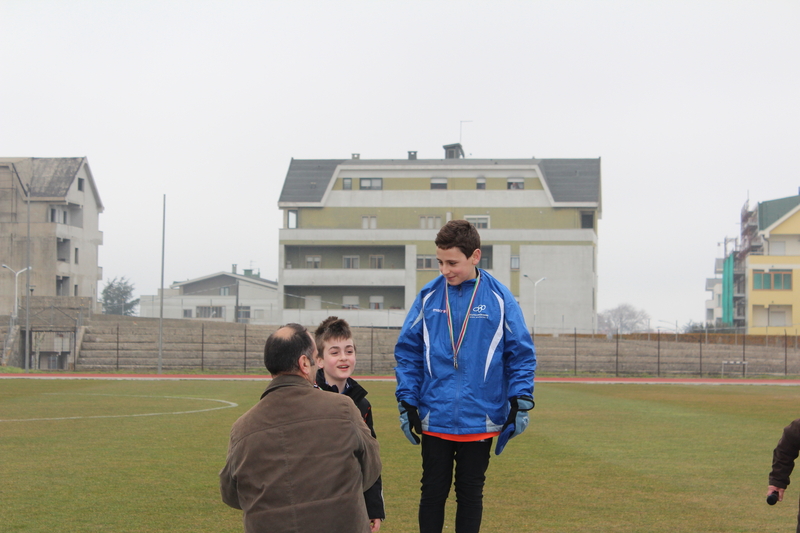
{"x":357,"y":236}
{"x":760,"y":293}
{"x":56,"y":202}
{"x":222,"y":297}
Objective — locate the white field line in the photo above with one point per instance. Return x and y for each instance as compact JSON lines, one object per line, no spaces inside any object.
{"x":227,"y":405}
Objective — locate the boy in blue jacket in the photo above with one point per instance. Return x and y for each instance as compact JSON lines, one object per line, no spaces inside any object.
{"x":465,"y":371}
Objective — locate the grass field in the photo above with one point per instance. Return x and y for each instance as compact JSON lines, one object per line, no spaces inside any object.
{"x":596,"y":458}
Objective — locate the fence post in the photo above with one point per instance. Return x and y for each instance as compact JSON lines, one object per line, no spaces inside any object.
{"x":700,"y":342}
{"x":117,"y":347}
{"x":785,"y":354}
{"x":202,"y":346}
{"x":617,"y":365}
{"x":371,"y":348}
{"x":575,"y":344}
{"x":658,"y":355}
{"x":245,"y":348}
{"x":744,"y":344}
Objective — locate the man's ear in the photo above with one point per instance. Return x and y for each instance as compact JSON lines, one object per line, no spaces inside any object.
{"x":305,"y":364}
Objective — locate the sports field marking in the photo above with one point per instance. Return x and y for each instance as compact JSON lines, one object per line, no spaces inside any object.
{"x":227,"y":405}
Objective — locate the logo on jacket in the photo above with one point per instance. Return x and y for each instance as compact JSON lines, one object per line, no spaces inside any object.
{"x":478,"y":312}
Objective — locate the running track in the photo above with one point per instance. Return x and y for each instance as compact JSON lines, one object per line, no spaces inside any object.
{"x":233,"y":377}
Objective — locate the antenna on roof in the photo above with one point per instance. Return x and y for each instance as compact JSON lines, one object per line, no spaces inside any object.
{"x":460,"y":127}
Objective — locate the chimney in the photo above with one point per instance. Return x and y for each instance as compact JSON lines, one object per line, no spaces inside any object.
{"x":233,"y":268}
{"x":453,"y":151}
{"x":412,"y":154}
{"x":355,"y":156}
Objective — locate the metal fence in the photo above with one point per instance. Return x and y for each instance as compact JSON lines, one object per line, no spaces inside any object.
{"x":664,"y":354}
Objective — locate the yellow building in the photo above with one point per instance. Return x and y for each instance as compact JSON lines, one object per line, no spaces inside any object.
{"x":771,"y":270}
{"x":357,"y":239}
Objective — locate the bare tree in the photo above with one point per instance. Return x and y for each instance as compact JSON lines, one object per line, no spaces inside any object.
{"x":624,"y":318}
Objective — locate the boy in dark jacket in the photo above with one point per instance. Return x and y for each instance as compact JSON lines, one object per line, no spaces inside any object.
{"x":336,"y":359}
{"x":783,"y":461}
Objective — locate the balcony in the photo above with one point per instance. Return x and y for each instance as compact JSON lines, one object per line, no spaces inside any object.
{"x":333,"y":277}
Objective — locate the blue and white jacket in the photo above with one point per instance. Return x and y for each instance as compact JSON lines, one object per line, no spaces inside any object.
{"x":496,"y":362}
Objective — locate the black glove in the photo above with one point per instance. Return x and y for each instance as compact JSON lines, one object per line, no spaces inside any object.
{"x":409,"y":419}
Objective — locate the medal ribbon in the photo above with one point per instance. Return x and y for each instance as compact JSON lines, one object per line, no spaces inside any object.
{"x":457,"y":346}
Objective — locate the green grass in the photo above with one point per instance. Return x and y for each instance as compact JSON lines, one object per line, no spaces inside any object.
{"x":596,"y":458}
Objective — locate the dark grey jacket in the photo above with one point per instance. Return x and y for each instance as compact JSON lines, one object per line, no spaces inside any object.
{"x":300,"y":458}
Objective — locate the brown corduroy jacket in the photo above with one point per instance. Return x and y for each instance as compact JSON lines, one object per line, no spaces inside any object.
{"x":784,"y":455}
{"x":300,"y":458}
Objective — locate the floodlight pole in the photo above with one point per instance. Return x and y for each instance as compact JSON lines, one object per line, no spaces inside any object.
{"x":161,"y":315}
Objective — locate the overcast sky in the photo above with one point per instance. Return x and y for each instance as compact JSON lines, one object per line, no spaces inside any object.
{"x":693,"y":107}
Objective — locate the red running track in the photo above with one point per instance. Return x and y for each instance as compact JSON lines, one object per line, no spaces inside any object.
{"x":263,"y":377}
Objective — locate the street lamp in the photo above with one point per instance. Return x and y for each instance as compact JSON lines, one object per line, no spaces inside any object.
{"x":16,"y":289}
{"x":535,"y":283}
{"x":675,"y":326}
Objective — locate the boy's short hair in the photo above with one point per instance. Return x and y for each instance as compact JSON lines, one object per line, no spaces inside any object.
{"x":332,"y":328}
{"x":459,"y":234}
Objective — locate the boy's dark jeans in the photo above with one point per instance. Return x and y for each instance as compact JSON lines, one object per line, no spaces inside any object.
{"x":471,"y":461}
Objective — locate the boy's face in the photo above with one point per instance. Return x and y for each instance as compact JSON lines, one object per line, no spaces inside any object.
{"x":338,"y":359}
{"x":455,"y":266}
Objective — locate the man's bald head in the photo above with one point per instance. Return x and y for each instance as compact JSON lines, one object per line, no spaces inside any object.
{"x":284,"y":348}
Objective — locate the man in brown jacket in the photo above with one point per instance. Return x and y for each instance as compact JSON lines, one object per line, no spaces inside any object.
{"x":300,"y":459}
{"x":783,"y":461}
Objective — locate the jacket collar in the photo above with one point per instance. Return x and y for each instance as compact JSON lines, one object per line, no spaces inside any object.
{"x":286,"y":380}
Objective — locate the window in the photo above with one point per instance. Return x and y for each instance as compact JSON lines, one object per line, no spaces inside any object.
{"x":208,"y":311}
{"x":376,"y":302}
{"x":587,"y":220}
{"x":485,"y":263}
{"x":347,"y":184}
{"x":427,"y":262}
{"x":65,"y":217}
{"x":76,"y":291}
{"x":514,"y":262}
{"x":350,"y":261}
{"x":76,"y":256}
{"x":291,"y":219}
{"x":778,"y":280}
{"x":370,"y":184}
{"x":438,"y":183}
{"x":480,"y":184}
{"x":52,"y":215}
{"x":349,"y":302}
{"x":80,"y":184}
{"x":187,"y":313}
{"x":430,"y":222}
{"x":369,"y":222}
{"x":478,"y":222}
{"x":224,"y":291}
{"x":515,"y":183}
{"x":244,"y":314}
{"x":376,"y":261}
{"x":313,"y":261}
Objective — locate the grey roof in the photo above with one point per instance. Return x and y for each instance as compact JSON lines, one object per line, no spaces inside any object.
{"x":307,"y":179}
{"x":52,"y":176}
{"x":569,"y":180}
{"x":572,"y":180}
